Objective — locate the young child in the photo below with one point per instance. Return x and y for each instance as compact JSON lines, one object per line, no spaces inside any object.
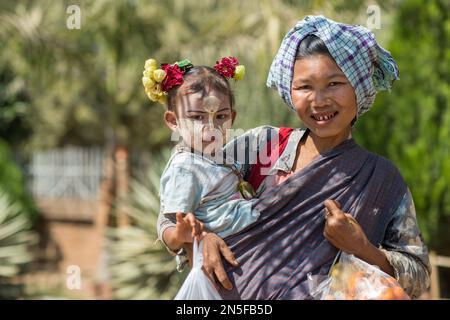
{"x":200,"y":110}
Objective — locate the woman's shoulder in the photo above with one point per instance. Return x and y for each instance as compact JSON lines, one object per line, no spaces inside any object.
{"x":386,"y":168}
{"x":384,"y":162}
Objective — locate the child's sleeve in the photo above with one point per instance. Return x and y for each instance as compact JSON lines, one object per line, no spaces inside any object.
{"x":181,"y":190}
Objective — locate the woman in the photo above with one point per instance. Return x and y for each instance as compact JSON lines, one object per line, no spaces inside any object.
{"x":324,"y":193}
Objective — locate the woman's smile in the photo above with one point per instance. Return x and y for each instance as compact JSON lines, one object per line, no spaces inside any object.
{"x":323,"y":118}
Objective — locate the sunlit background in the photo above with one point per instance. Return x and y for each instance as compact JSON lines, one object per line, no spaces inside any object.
{"x":82,"y":148}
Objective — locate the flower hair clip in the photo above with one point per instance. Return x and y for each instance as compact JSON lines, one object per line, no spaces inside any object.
{"x":157,"y":82}
{"x":229,"y":67}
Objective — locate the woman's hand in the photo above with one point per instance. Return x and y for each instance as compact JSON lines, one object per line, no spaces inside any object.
{"x":342,"y":230}
{"x":345,"y":233}
{"x":213,"y":250}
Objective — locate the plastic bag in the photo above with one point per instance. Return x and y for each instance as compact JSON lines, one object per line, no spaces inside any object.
{"x":353,"y":279}
{"x":197,"y":286}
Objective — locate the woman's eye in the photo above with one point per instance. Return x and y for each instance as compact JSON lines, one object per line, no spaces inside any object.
{"x":197,"y":117}
{"x":305,"y":87}
{"x":333,"y":84}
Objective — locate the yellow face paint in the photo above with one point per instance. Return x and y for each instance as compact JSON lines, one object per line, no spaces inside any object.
{"x":190,"y":131}
{"x":211,"y":105}
{"x":195,"y":133}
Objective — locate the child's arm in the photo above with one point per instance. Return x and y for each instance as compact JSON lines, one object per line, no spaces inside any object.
{"x":185,"y":230}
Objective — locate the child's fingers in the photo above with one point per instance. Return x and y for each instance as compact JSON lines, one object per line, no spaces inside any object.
{"x":194,"y":223}
{"x":190,"y":218}
{"x":197,"y":229}
{"x":179,"y":217}
{"x":201,"y":236}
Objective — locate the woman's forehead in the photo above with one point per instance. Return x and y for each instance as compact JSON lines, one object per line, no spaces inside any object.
{"x":318,"y":66}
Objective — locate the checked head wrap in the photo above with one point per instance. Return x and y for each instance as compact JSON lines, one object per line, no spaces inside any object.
{"x":367,"y":66}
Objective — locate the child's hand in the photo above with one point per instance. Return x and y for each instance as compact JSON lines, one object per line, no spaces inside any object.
{"x":188,"y":227}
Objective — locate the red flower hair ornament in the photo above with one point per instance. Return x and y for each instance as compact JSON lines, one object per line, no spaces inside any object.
{"x":158,"y":82}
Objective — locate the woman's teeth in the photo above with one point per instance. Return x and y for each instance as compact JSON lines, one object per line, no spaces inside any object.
{"x":324,"y":117}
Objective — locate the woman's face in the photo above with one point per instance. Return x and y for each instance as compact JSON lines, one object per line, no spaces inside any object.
{"x":323,"y":97}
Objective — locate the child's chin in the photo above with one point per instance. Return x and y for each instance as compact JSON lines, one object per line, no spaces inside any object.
{"x":206,"y":148}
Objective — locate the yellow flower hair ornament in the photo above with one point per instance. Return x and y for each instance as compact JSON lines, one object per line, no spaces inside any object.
{"x":158,"y":81}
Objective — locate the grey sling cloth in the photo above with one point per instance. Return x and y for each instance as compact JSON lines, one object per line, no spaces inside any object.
{"x":278,"y":251}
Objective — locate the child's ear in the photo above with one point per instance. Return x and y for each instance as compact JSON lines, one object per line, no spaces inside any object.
{"x":171,"y":120}
{"x":233,"y":116}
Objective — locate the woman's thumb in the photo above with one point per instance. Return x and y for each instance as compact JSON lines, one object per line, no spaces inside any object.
{"x":332,"y":205}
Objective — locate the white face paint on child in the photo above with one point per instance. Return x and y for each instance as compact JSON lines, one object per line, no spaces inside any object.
{"x":203,"y":120}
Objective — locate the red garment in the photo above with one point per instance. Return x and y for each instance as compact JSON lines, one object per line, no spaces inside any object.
{"x":256,"y":177}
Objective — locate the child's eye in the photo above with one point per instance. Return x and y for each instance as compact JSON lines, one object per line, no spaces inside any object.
{"x":222,"y":116}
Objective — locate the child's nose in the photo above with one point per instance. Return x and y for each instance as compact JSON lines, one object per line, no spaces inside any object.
{"x":211,"y":134}
{"x":211,"y":124}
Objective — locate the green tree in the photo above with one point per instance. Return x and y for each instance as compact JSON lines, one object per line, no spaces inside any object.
{"x":84,"y":86}
{"x":411,"y":125}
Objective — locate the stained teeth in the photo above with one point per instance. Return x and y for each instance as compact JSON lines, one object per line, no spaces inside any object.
{"x":322,"y":118}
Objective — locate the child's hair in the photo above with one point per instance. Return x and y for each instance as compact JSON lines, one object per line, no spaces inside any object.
{"x":201,"y":79}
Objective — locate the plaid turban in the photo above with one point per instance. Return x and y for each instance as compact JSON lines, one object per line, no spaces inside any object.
{"x":367,"y":66}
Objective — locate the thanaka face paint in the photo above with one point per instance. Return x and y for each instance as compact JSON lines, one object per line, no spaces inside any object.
{"x":205,"y":136}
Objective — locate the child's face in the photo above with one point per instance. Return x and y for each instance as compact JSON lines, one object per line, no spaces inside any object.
{"x":202,"y":119}
{"x":323,"y":97}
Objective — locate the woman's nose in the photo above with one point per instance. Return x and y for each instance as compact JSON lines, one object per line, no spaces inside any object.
{"x":319,"y":98}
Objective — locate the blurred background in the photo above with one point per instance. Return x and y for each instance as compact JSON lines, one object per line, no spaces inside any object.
{"x":82,"y":147}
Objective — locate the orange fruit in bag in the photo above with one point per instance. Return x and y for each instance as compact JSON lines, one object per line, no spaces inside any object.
{"x":399,"y":293}
{"x":389,"y":281}
{"x":353,"y":282}
{"x":387,"y":294}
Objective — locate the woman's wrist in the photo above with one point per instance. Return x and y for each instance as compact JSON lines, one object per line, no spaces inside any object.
{"x":375,"y":256}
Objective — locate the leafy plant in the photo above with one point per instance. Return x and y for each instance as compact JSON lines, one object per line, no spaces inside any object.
{"x":140,"y":268}
{"x":15,"y":238}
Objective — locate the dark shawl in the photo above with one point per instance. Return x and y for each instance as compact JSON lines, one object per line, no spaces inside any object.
{"x":278,"y":251}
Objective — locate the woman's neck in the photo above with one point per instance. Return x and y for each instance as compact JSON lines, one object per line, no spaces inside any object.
{"x":320,"y":145}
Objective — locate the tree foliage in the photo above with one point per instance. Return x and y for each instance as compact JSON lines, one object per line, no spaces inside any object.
{"x":411,"y":125}
{"x":83,"y":86}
